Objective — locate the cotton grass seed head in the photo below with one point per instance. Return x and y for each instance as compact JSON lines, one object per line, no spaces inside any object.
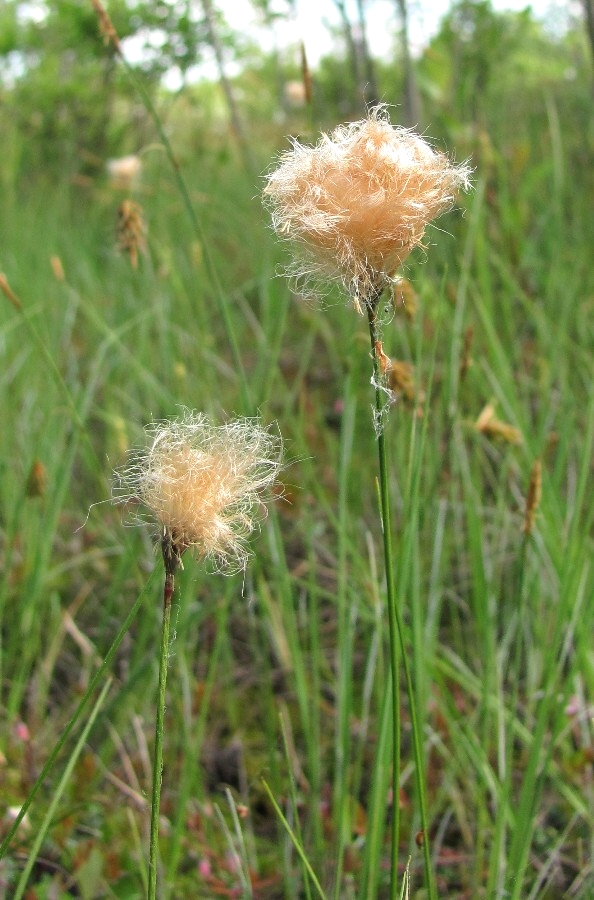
{"x":357,"y":203}
{"x":203,"y":484}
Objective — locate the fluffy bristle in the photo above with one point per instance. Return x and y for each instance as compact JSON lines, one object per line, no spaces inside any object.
{"x":204,"y":483}
{"x":358,"y":202}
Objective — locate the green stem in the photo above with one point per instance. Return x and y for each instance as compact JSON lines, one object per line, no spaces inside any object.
{"x":391,"y":598}
{"x":159,"y":730}
{"x":295,"y":841}
{"x":397,"y":640}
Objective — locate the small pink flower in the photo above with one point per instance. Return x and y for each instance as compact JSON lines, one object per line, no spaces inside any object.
{"x":21,"y":732}
{"x":572,"y":707}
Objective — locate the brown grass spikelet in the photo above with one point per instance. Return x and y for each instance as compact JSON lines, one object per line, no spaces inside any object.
{"x":533,"y":497}
{"x":357,"y":203}
{"x":57,"y":268}
{"x":131,"y":230}
{"x":203,"y":484}
{"x":465,"y":357}
{"x":385,"y":363}
{"x":36,"y":480}
{"x":106,"y":27}
{"x":306,"y":74}
{"x":9,"y":293}
{"x":401,"y":380}
{"x":493,"y":428}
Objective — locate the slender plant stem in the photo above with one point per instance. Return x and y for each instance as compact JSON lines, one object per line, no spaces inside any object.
{"x":159,"y":729}
{"x":295,"y":840}
{"x":391,"y":599}
{"x":396,"y":635}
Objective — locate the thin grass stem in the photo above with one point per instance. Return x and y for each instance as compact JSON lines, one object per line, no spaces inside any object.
{"x":342,"y":800}
{"x":293,"y":795}
{"x":391,"y":598}
{"x":237,"y":846}
{"x":397,"y":640}
{"x":376,"y":818}
{"x":295,"y":840}
{"x":159,"y":731}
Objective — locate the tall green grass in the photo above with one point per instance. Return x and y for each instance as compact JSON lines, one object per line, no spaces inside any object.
{"x":278,"y":680}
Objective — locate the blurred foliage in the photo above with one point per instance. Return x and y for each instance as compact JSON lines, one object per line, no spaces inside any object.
{"x":512,"y":283}
{"x":486,"y":76}
{"x":494,"y":68}
{"x":62,"y":88}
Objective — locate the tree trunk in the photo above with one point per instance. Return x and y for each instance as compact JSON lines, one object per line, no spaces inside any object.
{"x":352,"y":53}
{"x":236,"y":121}
{"x":589,"y":13}
{"x":370,"y":88}
{"x":411,"y":101}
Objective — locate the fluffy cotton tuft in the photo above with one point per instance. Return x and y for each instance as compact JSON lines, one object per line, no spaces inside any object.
{"x":358,"y":202}
{"x":203,"y":484}
{"x":124,"y":172}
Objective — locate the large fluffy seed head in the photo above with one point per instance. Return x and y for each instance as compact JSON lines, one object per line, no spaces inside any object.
{"x":358,"y":202}
{"x":204,"y":483}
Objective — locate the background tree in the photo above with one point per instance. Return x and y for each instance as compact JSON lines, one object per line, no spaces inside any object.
{"x":370,"y":92}
{"x":64,"y":81}
{"x":411,"y":100}
{"x":589,"y":15}
{"x":237,"y":125}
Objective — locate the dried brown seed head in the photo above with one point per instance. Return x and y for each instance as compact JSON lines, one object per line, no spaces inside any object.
{"x":533,"y":497}
{"x":131,"y":230}
{"x":493,"y":428}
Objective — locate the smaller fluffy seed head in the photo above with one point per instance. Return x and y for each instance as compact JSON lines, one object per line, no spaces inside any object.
{"x":203,"y":484}
{"x":357,"y":203}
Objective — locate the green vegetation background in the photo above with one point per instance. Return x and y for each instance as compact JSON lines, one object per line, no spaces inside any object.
{"x":283,"y":673}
